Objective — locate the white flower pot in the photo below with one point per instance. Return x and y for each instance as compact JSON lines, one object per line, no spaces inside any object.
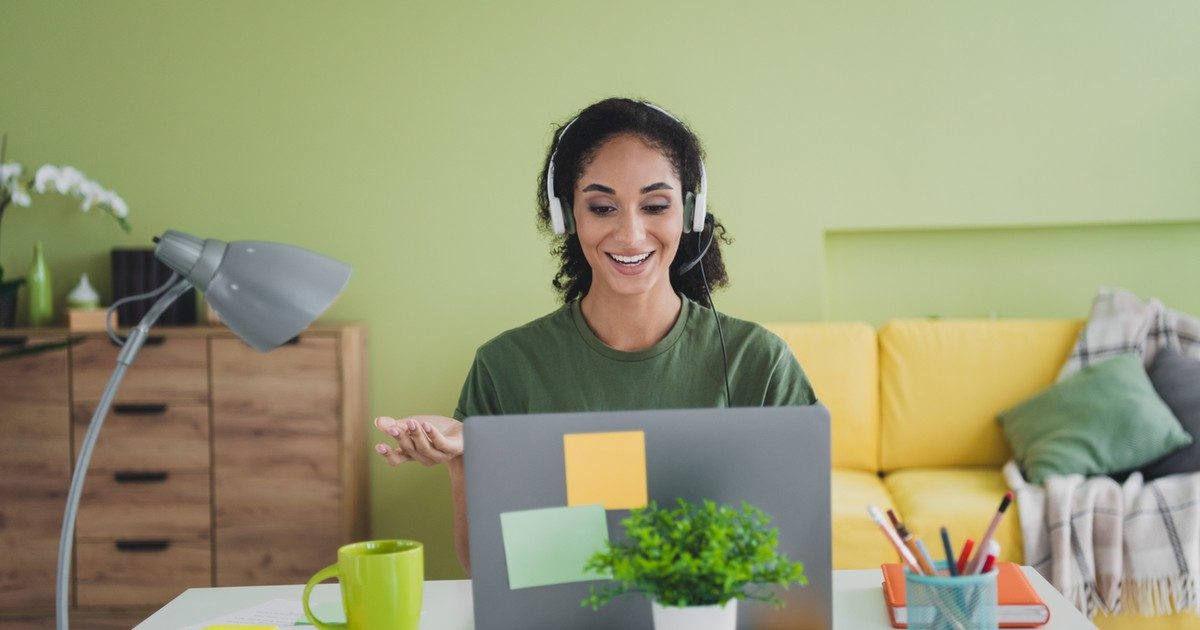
{"x":695,"y":617}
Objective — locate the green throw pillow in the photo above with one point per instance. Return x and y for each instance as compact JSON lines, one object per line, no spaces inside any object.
{"x":1103,"y":419}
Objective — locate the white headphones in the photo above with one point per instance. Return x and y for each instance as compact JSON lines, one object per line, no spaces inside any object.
{"x":695,"y":206}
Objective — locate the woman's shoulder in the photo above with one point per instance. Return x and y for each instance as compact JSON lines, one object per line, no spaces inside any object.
{"x":542,"y":332}
{"x":751,"y":336}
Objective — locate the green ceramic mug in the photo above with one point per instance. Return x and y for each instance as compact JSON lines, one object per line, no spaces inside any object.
{"x":381,"y":585}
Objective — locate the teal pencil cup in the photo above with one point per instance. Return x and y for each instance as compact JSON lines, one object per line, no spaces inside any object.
{"x":942,"y":602}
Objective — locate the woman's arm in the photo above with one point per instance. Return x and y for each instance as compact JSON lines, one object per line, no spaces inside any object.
{"x":433,"y":440}
{"x":458,"y":487}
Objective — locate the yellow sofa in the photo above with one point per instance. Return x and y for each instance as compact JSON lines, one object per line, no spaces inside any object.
{"x":914,"y":426}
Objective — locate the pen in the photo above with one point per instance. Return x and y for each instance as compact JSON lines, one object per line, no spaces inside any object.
{"x":964,"y":556}
{"x":949,"y":549}
{"x":905,"y":554}
{"x":993,"y":552}
{"x":976,"y":562}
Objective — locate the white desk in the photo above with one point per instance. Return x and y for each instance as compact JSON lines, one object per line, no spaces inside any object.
{"x":857,"y":603}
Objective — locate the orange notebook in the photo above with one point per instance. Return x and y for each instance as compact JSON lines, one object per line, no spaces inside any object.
{"x":1020,"y":606}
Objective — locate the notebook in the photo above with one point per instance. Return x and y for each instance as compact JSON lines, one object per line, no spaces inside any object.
{"x":1020,"y":606}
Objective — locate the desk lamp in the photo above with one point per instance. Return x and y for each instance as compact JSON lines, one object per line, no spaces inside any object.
{"x":267,"y":293}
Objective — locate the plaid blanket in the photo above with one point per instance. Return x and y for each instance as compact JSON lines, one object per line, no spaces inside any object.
{"x":1112,"y":547}
{"x":1121,"y":323}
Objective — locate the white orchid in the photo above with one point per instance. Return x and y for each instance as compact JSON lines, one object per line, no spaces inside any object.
{"x":46,"y":174}
{"x":64,"y":180}
{"x":9,"y":172}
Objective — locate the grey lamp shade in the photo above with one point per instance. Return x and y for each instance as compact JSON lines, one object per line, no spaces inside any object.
{"x":267,"y":293}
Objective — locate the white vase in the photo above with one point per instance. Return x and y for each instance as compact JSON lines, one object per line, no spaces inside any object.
{"x":695,"y":617}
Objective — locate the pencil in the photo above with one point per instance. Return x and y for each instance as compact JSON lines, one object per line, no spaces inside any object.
{"x":981,"y":552}
{"x":905,"y":555}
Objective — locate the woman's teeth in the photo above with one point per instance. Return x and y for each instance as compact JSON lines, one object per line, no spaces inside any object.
{"x":630,"y":260}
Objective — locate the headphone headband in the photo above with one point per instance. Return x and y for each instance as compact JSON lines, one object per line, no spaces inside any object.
{"x":693,"y":216}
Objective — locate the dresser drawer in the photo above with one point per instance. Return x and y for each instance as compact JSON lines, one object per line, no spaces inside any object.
{"x":139,"y":572}
{"x":147,"y":436}
{"x":139,"y":505}
{"x":167,"y":369}
{"x":41,"y":377}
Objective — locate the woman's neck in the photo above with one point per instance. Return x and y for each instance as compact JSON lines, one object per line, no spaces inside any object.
{"x":631,"y":322}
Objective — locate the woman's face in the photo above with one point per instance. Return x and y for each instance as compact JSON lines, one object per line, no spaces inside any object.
{"x":628,"y":210}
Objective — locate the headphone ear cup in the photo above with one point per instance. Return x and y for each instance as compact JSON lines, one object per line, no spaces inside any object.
{"x":689,"y":210}
{"x":569,"y":219}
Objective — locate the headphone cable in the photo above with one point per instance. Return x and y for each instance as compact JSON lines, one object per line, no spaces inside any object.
{"x":713,"y":306}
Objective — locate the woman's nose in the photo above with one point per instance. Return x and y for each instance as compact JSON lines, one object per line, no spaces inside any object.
{"x":631,"y":228}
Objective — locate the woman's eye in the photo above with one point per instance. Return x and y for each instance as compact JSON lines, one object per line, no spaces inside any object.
{"x":601,"y":210}
{"x":656,"y":209}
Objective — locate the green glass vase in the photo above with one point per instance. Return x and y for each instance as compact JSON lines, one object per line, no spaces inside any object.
{"x":40,"y":290}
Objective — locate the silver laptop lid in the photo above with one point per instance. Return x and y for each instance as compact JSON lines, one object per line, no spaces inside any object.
{"x":775,"y":458}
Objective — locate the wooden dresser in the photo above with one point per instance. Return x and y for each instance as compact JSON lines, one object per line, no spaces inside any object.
{"x":217,"y":466}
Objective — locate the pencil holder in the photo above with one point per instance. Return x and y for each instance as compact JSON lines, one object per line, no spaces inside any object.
{"x":942,"y":602}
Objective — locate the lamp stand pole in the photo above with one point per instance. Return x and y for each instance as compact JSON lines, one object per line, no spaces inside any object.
{"x":137,"y":337}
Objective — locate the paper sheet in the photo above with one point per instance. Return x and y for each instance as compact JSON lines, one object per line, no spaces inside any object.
{"x":606,"y":468}
{"x":551,"y":545}
{"x":284,"y":613}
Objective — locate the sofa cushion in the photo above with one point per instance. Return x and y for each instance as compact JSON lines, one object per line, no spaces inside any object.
{"x":963,"y":500}
{"x":857,"y":541}
{"x":943,"y":382}
{"x":1103,"y":419}
{"x":842,"y":362}
{"x":1176,"y":378}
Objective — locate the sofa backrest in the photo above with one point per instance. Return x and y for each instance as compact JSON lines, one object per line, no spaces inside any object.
{"x":841,"y":361}
{"x":942,"y":382}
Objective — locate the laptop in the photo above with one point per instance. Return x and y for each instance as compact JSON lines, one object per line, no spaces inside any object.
{"x":775,"y":458}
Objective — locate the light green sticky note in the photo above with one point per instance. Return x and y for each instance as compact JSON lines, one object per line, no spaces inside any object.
{"x":551,"y":545}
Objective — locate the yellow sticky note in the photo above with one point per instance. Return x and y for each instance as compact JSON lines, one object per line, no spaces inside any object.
{"x":606,"y":468}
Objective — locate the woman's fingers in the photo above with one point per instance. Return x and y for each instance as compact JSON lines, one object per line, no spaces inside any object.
{"x":420,"y":440}
{"x":451,"y":447}
{"x":393,"y":458}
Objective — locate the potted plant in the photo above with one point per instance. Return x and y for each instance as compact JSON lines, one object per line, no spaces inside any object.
{"x":694,"y":562}
{"x":64,"y":180}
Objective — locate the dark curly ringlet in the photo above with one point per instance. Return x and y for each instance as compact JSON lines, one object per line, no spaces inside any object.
{"x":595,"y":125}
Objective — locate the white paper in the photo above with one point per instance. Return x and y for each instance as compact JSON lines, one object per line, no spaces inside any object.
{"x":277,"y":612}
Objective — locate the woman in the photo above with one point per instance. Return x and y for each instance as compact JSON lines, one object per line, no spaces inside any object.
{"x":637,"y":328}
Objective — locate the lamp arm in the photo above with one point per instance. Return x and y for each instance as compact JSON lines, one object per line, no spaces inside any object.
{"x":137,"y":337}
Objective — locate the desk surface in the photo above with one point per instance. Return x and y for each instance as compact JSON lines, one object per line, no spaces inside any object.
{"x":857,"y":603}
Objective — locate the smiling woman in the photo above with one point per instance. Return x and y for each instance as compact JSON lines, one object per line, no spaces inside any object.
{"x":623,"y":195}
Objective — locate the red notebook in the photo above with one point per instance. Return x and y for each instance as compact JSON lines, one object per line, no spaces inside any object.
{"x":1020,"y":606}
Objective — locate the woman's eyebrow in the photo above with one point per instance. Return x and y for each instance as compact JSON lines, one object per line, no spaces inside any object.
{"x":601,"y":187}
{"x":605,"y":189}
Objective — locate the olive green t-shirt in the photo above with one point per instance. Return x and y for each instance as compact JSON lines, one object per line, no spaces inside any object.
{"x":557,"y":364}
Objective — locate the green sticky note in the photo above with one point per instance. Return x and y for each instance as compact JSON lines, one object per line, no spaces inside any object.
{"x":551,"y":545}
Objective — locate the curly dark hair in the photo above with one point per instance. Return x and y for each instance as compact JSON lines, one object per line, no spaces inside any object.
{"x":594,"y":126}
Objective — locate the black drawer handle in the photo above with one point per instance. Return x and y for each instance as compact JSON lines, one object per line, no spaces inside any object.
{"x":143,"y":545}
{"x":149,"y":476}
{"x":139,"y":409}
{"x":13,"y":342}
{"x":152,"y":340}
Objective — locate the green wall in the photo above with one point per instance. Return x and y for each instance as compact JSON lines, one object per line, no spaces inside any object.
{"x":405,"y":138}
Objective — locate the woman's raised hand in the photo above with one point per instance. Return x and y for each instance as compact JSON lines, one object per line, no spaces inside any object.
{"x":430,"y":440}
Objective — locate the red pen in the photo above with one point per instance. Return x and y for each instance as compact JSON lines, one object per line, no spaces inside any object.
{"x":962,"y":557}
{"x":993,"y":552}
